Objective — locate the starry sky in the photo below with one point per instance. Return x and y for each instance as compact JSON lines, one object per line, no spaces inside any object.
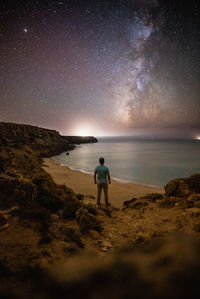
{"x":102,"y":67}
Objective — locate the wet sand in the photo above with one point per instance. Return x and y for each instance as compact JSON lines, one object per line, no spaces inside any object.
{"x":84,"y":183}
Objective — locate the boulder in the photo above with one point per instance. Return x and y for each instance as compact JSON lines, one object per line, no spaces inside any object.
{"x":152,"y":197}
{"x":49,"y":194}
{"x":177,"y":188}
{"x":126,"y":203}
{"x":87,"y":220}
{"x":91,"y":209}
{"x":138,"y":204}
{"x":104,"y":245}
{"x":184,"y":186}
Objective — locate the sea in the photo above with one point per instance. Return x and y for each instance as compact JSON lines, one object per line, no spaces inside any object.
{"x":151,"y":162}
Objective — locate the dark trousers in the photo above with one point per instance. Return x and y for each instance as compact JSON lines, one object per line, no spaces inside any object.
{"x":105,"y":189}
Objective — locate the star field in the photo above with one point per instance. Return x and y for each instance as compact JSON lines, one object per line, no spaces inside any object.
{"x":115,"y":67}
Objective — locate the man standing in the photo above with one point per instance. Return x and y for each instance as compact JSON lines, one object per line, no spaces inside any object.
{"x":103,"y":175}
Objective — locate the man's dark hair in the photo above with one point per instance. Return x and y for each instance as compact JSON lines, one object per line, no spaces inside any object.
{"x":101,"y":160}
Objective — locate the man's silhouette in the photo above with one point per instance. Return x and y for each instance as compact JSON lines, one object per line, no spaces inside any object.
{"x":103,"y":177}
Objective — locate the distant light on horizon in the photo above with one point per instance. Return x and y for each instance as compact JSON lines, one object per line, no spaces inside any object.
{"x":85,"y":130}
{"x":198,"y":138}
{"x":90,"y":130}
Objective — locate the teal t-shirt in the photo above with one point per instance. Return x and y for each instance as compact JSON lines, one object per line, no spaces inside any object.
{"x":102,"y":172}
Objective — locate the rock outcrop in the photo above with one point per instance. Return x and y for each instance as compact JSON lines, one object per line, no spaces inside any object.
{"x":184,"y":186}
{"x":137,"y":203}
{"x":21,"y":177}
{"x":30,"y":201}
{"x":183,"y":192}
{"x":46,"y":142}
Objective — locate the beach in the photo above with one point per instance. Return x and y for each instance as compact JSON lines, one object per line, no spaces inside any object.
{"x":84,"y":183}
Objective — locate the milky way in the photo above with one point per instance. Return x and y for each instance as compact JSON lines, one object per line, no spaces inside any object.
{"x":115,"y":67}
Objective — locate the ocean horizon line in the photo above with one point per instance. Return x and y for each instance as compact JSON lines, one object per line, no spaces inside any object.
{"x":149,"y":137}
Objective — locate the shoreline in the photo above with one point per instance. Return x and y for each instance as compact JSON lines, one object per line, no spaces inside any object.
{"x":81,"y":182}
{"x":113,"y":178}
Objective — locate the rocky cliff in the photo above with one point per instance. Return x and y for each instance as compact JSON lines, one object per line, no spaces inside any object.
{"x":46,"y":142}
{"x":21,"y":175}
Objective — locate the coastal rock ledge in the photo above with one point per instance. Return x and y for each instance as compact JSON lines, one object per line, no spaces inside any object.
{"x":22,"y":178}
{"x":46,"y":142}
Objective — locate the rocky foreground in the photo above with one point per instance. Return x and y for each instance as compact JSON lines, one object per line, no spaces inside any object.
{"x":57,"y":244}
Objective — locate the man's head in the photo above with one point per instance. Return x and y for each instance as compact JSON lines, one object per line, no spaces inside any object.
{"x":101,"y":161}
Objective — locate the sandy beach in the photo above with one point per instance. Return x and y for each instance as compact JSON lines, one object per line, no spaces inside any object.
{"x":84,"y":183}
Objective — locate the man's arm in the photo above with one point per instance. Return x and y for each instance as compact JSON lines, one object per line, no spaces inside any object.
{"x":109,"y":178}
{"x":95,"y":177}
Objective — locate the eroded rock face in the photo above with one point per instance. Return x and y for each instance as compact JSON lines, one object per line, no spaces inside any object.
{"x":182,"y":192}
{"x":46,"y":142}
{"x":21,"y":176}
{"x":183,"y":187}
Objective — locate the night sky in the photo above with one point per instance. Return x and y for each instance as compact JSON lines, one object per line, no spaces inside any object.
{"x":102,"y":67}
